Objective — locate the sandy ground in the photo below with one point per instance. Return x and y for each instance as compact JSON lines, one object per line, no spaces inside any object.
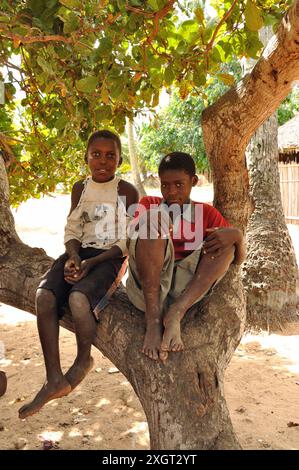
{"x":262,"y":381}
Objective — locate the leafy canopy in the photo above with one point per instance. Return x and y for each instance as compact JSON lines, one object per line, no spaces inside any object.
{"x":82,"y":65}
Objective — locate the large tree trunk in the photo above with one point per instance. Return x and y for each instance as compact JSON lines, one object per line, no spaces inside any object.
{"x":183,"y":400}
{"x":270,"y":273}
{"x":134,"y":159}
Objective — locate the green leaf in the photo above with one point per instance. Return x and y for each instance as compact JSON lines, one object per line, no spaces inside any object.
{"x":71,"y":24}
{"x":5,"y":19}
{"x":168,"y":76}
{"x":226,"y":78}
{"x":45,"y":65}
{"x":189,"y":26}
{"x":87,"y":85}
{"x":181,"y":47}
{"x":105,"y":47}
{"x":253,"y":45}
{"x":199,"y":77}
{"x":153,"y":4}
{"x":116,"y":88}
{"x":21,"y":30}
{"x":103,"y":114}
{"x":253,"y":16}
{"x":61,"y":122}
{"x":226,"y":47}
{"x":71,"y":3}
{"x":37,"y":6}
{"x":51,"y":3}
{"x":199,"y":14}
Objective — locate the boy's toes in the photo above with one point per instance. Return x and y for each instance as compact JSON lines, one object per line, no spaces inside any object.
{"x":165,"y":346}
{"x":151,"y":353}
{"x":163,"y":355}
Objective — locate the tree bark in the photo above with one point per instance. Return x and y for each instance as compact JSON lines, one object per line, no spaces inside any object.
{"x":270,"y":273}
{"x":134,"y":159}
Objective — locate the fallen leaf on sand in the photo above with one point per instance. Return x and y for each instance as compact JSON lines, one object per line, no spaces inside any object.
{"x":292,"y":424}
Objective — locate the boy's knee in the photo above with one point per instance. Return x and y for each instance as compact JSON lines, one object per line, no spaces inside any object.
{"x":44,"y":299}
{"x":77,"y":300}
{"x":226,"y":259}
{"x":153,"y":225}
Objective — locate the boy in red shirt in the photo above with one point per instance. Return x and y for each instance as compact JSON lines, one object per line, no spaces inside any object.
{"x":178,"y":250}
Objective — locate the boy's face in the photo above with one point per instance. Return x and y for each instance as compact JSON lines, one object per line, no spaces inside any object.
{"x":176,"y":186}
{"x":103,"y":159}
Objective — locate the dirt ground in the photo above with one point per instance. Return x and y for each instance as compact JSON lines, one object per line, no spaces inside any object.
{"x":262,"y":381}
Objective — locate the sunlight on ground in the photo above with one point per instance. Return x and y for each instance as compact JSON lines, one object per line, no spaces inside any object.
{"x":51,"y":436}
{"x":138,"y":433}
{"x":103,"y":402}
{"x":12,"y":316}
{"x":286,"y":346}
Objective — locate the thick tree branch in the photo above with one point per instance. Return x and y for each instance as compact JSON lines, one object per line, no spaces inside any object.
{"x":255,"y":98}
{"x":230,"y":122}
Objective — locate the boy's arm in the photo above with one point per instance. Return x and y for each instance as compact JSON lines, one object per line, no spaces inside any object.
{"x":221,"y":238}
{"x":128,"y":190}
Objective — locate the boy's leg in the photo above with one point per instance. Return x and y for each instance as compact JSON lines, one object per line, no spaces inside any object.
{"x":86,"y":300}
{"x":150,"y":255}
{"x":85,"y":329}
{"x":209,"y":270}
{"x":56,"y":385}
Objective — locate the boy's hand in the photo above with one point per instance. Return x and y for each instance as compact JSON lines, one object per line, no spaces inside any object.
{"x":77,"y":275}
{"x":220,"y":239}
{"x":72,"y":265}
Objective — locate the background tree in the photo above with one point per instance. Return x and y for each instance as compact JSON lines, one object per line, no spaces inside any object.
{"x":134,"y":159}
{"x":136,"y":53}
{"x":289,"y":107}
{"x":270,"y":273}
{"x":177,"y":125}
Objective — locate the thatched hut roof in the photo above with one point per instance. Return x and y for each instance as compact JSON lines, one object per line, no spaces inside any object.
{"x":288,"y":136}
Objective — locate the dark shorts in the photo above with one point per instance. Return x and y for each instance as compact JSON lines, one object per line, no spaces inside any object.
{"x":98,"y":285}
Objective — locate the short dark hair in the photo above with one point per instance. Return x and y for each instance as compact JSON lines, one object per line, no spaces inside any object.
{"x":104,"y":134}
{"x":177,"y":161}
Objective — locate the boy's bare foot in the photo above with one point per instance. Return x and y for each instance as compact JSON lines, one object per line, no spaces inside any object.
{"x":152,"y":340}
{"x":47,"y":393}
{"x":171,"y":340}
{"x":78,"y":371}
